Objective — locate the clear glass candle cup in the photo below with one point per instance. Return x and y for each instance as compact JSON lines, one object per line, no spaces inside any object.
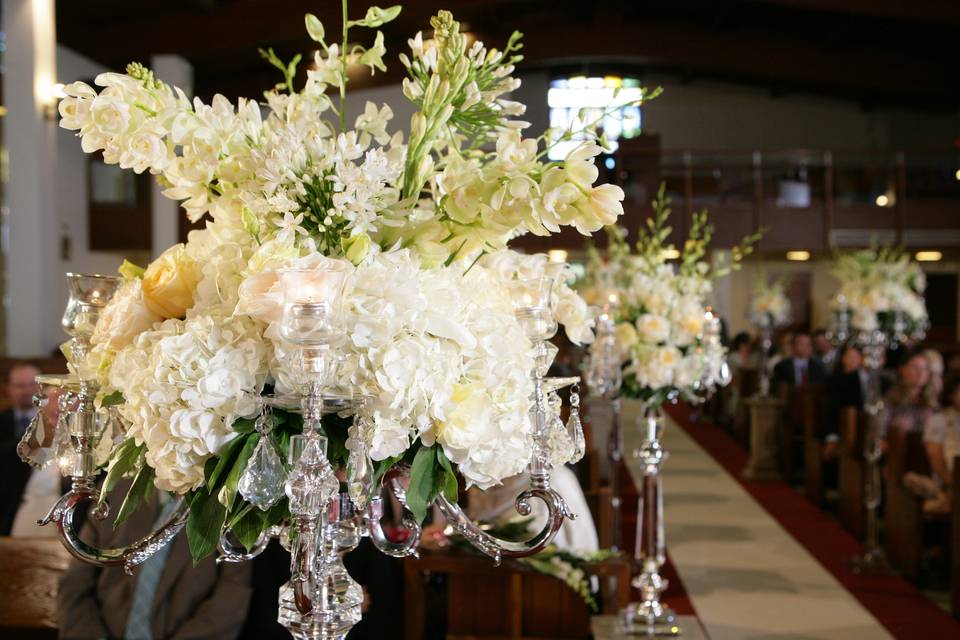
{"x":89,"y":294}
{"x":534,"y":305}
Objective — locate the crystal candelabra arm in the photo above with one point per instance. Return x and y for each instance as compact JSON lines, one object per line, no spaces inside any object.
{"x":64,"y":511}
{"x":497,"y":548}
{"x":233,"y":553}
{"x":380,"y":540}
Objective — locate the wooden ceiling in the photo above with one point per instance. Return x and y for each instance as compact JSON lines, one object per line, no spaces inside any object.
{"x":876,"y":52}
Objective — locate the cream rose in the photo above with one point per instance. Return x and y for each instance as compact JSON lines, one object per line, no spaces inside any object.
{"x":653,"y":328}
{"x":626,"y":336}
{"x":169,"y":283}
{"x":124,"y":318}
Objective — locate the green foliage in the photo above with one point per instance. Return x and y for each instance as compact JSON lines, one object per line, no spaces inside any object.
{"x":123,"y":459}
{"x":112,"y":399}
{"x":288,"y":69}
{"x":143,"y":74}
{"x":140,"y":491}
{"x":376,"y":17}
{"x":204,"y":523}
{"x":430,"y":475}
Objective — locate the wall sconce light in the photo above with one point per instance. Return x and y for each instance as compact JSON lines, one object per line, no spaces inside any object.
{"x":798,"y":256}
{"x":928,"y":256}
{"x":669,"y":254}
{"x":50,"y":96}
{"x":557,"y":255}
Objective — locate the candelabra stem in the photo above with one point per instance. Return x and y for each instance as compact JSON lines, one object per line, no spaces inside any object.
{"x":615,"y":449}
{"x":874,"y":560}
{"x":649,"y":616}
{"x":766,"y":342}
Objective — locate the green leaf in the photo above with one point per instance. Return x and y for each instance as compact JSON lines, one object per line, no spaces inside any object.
{"x":112,"y":399}
{"x":229,"y":491}
{"x":250,"y":223}
{"x":335,"y":428}
{"x":204,"y":524}
{"x":382,"y":466}
{"x":451,"y":486}
{"x":225,"y":462}
{"x":314,"y":27}
{"x":124,"y":458}
{"x":376,"y":17}
{"x":139,"y":491}
{"x":422,"y":482}
{"x":131,"y":271}
{"x":244,"y":425}
{"x":249,"y":528}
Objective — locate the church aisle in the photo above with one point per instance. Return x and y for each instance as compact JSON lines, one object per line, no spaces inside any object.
{"x":746,"y":576}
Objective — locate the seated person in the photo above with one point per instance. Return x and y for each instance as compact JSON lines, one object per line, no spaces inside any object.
{"x":845,"y":388}
{"x":801,"y":368}
{"x":941,"y":437}
{"x":908,"y":404}
{"x":497,"y":504}
{"x":166,"y":597}
{"x":823,"y":350}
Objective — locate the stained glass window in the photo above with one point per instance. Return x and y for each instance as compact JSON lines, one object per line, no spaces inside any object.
{"x":579,"y":100}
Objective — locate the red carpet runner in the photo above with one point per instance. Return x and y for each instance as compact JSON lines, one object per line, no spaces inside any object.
{"x":894,"y":602}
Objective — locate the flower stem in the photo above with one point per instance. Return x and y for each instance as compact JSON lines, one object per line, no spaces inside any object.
{"x":343,"y":70}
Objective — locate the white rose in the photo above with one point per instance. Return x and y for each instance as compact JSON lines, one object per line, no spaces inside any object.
{"x":653,"y":328}
{"x":124,"y":317}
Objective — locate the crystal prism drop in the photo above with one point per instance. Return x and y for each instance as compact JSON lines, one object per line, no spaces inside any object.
{"x":312,"y":482}
{"x":575,"y":430}
{"x":62,"y":447}
{"x":262,"y":482}
{"x":35,"y":447}
{"x":359,"y":477}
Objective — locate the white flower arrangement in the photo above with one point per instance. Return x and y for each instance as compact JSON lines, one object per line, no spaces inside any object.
{"x":769,"y":305}
{"x":662,"y":307}
{"x":419,"y":222}
{"x":879,"y":289}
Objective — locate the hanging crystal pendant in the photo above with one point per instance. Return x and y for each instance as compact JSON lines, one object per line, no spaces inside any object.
{"x":62,"y":447}
{"x":560,"y":446}
{"x":359,"y":477}
{"x":262,"y":481}
{"x":574,"y":426}
{"x":359,"y":465}
{"x":35,"y":447}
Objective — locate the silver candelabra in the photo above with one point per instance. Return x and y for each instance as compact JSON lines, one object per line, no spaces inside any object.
{"x":321,"y":600}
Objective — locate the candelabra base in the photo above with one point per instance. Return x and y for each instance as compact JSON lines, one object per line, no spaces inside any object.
{"x":649,"y":619}
{"x":871,"y":563}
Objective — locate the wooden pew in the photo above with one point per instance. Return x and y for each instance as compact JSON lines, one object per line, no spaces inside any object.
{"x":903,"y":510}
{"x":748,"y":383}
{"x":814,"y":411}
{"x":792,"y":428}
{"x":600,"y":501}
{"x":30,"y":568}
{"x":508,"y":602}
{"x":955,"y":542}
{"x":852,"y":471}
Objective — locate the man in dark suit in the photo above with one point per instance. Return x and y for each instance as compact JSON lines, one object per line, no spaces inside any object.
{"x":800,"y":368}
{"x":14,"y":473}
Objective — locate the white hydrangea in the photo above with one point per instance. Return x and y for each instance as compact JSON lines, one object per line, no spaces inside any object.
{"x":184,"y":383}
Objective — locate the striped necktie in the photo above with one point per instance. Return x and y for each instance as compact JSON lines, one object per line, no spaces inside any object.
{"x":141,"y":610}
